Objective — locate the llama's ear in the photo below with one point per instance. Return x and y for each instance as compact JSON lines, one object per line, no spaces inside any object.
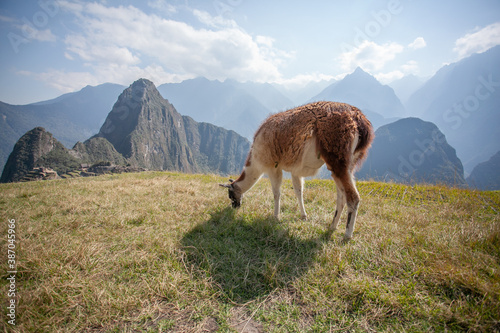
{"x":225,"y":185}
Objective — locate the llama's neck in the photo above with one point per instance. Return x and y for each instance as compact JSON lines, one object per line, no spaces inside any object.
{"x":249,"y":176}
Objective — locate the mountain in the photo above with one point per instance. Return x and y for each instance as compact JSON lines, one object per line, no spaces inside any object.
{"x":95,"y":150}
{"x":377,"y":101}
{"x":406,"y":86}
{"x":463,"y":99}
{"x":411,"y":150}
{"x":300,"y":94}
{"x":71,"y":117}
{"x":237,"y":106}
{"x":37,"y":148}
{"x":38,"y":155}
{"x":149,"y":132}
{"x":143,"y":130}
{"x":486,"y":175}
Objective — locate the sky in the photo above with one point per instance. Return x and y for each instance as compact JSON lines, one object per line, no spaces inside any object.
{"x":52,"y":47}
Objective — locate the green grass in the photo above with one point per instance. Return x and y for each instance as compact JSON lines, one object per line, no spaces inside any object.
{"x":163,"y":252}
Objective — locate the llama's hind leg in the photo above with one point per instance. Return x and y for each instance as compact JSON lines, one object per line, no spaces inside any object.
{"x":341,"y":199}
{"x":276,"y":177}
{"x":352,"y":198}
{"x":298,"y":185}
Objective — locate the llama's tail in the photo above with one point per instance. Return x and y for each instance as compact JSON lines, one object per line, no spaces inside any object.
{"x":366,"y":136}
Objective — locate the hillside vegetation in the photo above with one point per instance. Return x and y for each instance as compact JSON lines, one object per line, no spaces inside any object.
{"x":163,"y":252}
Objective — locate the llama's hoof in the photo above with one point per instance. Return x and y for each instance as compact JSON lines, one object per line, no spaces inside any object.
{"x":303,"y":217}
{"x":346,"y":239}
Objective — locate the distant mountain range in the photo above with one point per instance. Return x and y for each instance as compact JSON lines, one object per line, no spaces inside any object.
{"x":462,"y":99}
{"x":378,"y":102}
{"x":71,"y":117}
{"x":406,"y":87}
{"x":237,"y":106}
{"x":143,"y":130}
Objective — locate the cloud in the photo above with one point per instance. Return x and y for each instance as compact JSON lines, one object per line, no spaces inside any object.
{"x":369,"y":55}
{"x":410,"y":67}
{"x":418,"y":43}
{"x":65,"y":81}
{"x":479,"y":41}
{"x":302,"y":80}
{"x":7,"y":19}
{"x":128,"y":40}
{"x":32,"y":33}
{"x":163,"y":6}
{"x":385,"y":78}
{"x":213,"y":21}
{"x":28,"y":31}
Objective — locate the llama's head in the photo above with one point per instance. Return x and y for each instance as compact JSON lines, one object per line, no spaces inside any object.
{"x":234,"y":193}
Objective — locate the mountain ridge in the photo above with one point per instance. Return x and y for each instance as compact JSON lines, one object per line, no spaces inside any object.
{"x":147,"y":130}
{"x":377,"y":101}
{"x":412,"y":150}
{"x":143,"y":130}
{"x":230,"y":104}
{"x":463,"y":100}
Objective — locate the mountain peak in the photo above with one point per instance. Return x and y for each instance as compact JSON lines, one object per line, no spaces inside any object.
{"x":142,"y":84}
{"x":359,"y":70}
{"x":149,"y":132}
{"x":141,"y":88}
{"x":364,"y":91}
{"x":137,"y":104}
{"x":359,"y":73}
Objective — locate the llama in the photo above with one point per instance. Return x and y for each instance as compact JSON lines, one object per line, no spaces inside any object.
{"x":300,"y":141}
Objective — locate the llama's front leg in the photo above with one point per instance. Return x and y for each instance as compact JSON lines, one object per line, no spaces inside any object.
{"x":298,"y":185}
{"x":276,"y":177}
{"x":340,"y":206}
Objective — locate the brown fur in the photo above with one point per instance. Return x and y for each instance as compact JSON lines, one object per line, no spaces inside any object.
{"x":334,"y":125}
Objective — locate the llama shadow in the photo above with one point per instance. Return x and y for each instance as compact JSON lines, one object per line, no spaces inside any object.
{"x":247,"y":258}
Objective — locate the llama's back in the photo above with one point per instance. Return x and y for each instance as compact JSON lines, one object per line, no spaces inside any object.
{"x":281,"y":137}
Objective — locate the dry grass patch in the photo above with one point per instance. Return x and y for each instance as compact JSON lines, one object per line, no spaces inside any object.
{"x":163,"y":252}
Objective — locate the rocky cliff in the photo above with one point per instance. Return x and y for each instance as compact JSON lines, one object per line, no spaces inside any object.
{"x":148,"y":131}
{"x":411,"y":150}
{"x":37,"y":148}
{"x":96,"y":150}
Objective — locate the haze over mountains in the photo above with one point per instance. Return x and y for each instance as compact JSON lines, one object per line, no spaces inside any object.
{"x":237,"y":106}
{"x":462,"y":99}
{"x":143,"y":130}
{"x":71,"y":117}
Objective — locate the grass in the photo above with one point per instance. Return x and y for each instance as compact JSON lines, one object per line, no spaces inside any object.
{"x":163,"y":252}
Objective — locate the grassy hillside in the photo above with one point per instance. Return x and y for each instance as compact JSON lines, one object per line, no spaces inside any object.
{"x":161,"y":252}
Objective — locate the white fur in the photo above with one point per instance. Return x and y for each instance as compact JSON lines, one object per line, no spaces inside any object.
{"x":307,"y":166}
